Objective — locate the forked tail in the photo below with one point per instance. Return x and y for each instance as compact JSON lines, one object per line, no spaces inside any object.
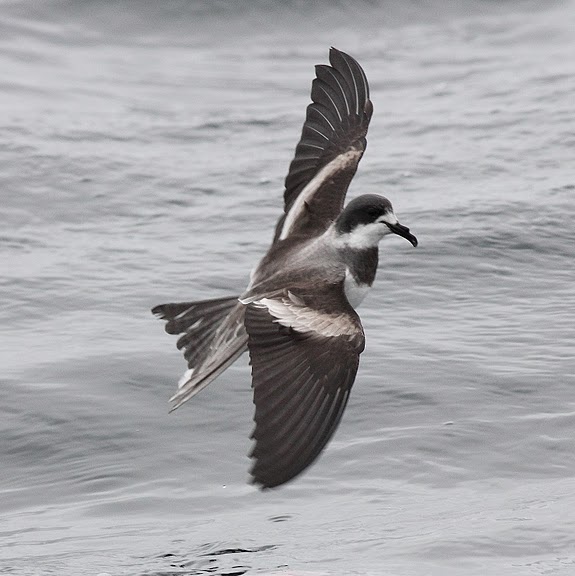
{"x":213,"y":337}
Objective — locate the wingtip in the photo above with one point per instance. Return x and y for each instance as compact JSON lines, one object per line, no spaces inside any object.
{"x":333,"y":51}
{"x":260,"y":484}
{"x":254,"y":482}
{"x":264,"y":486}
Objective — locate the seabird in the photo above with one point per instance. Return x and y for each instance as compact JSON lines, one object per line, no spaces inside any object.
{"x":297,"y":317}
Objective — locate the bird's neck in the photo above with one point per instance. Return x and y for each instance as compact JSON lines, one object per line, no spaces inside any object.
{"x":360,"y":270}
{"x":362,"y":264}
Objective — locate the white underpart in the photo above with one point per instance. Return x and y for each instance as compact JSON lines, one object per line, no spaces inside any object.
{"x":354,"y":292}
{"x":336,"y":165}
{"x":303,"y":319}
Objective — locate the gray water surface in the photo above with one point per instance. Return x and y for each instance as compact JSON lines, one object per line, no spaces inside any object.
{"x":143,"y":148}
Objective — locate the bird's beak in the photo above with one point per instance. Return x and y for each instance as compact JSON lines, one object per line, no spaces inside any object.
{"x":401,"y":230}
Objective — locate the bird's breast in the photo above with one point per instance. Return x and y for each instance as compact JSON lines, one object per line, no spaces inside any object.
{"x":355,"y":291}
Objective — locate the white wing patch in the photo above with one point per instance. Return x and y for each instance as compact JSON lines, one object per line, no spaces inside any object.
{"x":290,"y":313}
{"x":336,"y":165}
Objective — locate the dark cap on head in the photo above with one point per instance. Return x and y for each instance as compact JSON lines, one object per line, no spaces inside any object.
{"x":362,"y":210}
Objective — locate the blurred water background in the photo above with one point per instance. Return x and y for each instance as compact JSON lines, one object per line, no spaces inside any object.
{"x":143,"y":147}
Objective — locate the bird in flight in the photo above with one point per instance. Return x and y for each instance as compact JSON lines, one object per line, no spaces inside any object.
{"x":297,"y":316}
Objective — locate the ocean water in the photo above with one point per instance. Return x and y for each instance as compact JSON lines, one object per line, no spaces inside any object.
{"x":143,"y":147}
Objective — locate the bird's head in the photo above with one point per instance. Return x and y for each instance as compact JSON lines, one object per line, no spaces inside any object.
{"x":366,"y":220}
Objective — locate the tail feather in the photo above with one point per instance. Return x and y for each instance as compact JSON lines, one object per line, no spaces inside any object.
{"x":199,"y":322}
{"x":198,"y":381}
{"x":182,"y":315}
{"x":214,"y":337}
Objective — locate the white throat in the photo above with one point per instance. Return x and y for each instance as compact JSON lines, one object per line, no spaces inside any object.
{"x":364,"y":236}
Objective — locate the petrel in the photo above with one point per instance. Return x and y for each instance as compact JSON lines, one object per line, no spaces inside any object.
{"x":297,"y":316}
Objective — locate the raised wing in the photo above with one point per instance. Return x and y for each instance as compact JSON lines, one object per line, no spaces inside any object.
{"x":304,"y":363}
{"x":331,"y":146}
